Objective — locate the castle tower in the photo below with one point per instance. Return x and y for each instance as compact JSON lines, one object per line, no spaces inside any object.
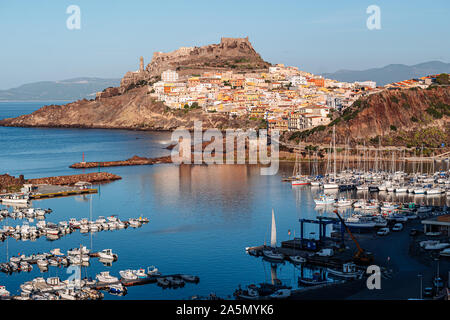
{"x":141,"y":65}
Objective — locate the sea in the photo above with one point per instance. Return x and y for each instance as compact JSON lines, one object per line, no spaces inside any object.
{"x":201,"y":217}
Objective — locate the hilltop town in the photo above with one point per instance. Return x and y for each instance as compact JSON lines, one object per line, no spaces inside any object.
{"x":229,"y":85}
{"x":284,"y":97}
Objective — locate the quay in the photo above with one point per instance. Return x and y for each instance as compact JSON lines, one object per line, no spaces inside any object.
{"x":134,"y":161}
{"x":48,"y":191}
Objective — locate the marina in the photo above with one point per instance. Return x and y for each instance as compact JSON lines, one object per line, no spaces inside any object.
{"x":232,"y":210}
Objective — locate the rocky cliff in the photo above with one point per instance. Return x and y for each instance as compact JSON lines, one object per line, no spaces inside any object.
{"x":396,"y":117}
{"x":134,"y":109}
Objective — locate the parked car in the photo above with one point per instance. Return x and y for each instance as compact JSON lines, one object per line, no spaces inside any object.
{"x":383,"y":231}
{"x":325,"y":253}
{"x":397,"y":227}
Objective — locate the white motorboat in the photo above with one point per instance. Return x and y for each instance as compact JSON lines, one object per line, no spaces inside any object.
{"x":107,"y":254}
{"x":281,"y":294}
{"x":128,"y":275}
{"x":105,"y":277}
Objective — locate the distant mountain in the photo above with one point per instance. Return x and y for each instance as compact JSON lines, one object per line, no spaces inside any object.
{"x":71,"y":89}
{"x":391,"y":73}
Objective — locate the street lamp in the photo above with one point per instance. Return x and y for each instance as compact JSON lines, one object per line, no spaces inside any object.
{"x":421,"y":291}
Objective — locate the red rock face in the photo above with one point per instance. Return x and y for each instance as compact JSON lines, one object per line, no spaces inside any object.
{"x":379,"y":113}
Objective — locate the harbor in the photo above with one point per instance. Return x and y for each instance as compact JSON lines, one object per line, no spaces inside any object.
{"x":233,"y":207}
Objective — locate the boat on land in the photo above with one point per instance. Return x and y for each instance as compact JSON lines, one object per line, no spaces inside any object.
{"x":348,"y":271}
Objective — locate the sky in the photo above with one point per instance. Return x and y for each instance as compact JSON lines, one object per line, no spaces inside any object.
{"x":316,"y":36}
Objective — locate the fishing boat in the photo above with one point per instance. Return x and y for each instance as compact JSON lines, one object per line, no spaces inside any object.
{"x":15,"y":199}
{"x":348,"y":271}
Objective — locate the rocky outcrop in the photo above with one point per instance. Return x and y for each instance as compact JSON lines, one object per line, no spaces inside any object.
{"x":397,"y":117}
{"x":230,"y":53}
{"x":134,"y":109}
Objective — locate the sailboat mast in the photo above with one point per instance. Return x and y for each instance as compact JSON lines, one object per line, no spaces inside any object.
{"x":334,"y":151}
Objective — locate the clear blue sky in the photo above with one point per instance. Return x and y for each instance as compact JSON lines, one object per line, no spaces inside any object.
{"x":317,"y":36}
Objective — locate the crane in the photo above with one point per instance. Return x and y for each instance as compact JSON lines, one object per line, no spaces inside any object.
{"x":361,"y":256}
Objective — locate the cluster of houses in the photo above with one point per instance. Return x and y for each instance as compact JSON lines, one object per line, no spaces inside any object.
{"x":284,"y":98}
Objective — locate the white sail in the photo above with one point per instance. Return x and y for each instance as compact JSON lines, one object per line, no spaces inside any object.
{"x":273,"y":235}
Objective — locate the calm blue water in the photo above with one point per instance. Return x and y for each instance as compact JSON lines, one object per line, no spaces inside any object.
{"x":201,"y":217}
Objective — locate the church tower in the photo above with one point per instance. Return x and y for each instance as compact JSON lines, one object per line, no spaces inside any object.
{"x":141,"y":65}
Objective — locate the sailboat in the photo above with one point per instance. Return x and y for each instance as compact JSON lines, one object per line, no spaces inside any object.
{"x":270,"y":253}
{"x":299,"y":180}
{"x":333,"y":184}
